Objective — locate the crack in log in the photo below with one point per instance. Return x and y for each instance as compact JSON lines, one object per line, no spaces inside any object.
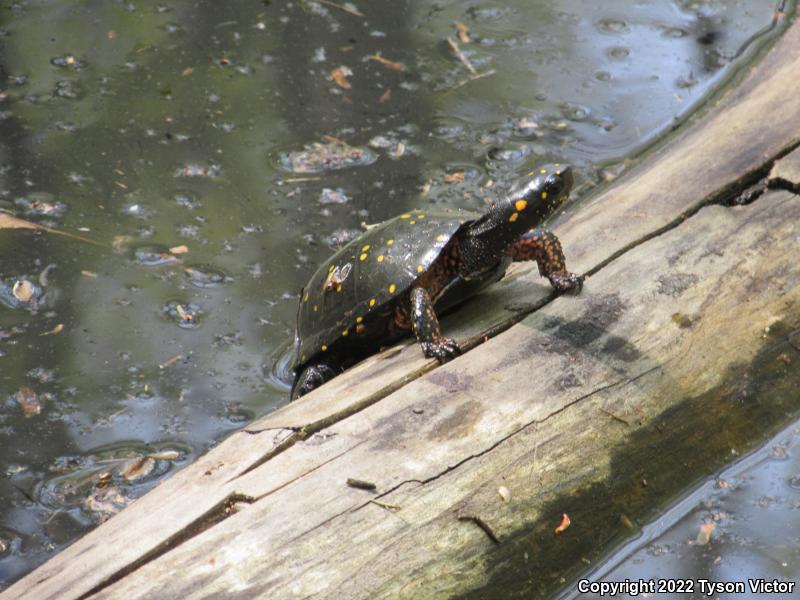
{"x":520,"y":429}
{"x":217,"y":514}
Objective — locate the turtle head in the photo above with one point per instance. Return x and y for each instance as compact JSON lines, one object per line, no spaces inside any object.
{"x":530,"y":204}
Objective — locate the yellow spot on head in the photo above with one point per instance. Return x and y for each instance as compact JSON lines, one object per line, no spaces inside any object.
{"x":372,"y":302}
{"x":305,"y":299}
{"x":558,"y":172}
{"x":420,"y":268}
{"x":521,"y":205}
{"x":316,"y":308}
{"x":543,"y":171}
{"x":513,"y":217}
{"x":363,"y":256}
{"x":405,"y":216}
{"x":392,"y":288}
{"x":421,"y":216}
{"x":380,"y":258}
{"x":441,"y":238}
{"x":330,"y":268}
{"x":303,"y":358}
{"x":544,"y":195}
{"x":339,"y":287}
{"x":365,"y":247}
{"x":390,"y":242}
{"x":412,"y":222}
{"x":345,"y":333}
{"x":324,"y":347}
{"x":359,"y":319}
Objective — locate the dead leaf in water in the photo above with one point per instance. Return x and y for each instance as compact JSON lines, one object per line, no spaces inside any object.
{"x":565,"y":523}
{"x":704,"y":535}
{"x":23,"y":290}
{"x":340,"y":75}
{"x":28,"y":401}
{"x":137,"y":468}
{"x":389,"y":64}
{"x":54,"y":331}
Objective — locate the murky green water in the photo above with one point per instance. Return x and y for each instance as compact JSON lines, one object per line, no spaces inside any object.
{"x":149,"y":126}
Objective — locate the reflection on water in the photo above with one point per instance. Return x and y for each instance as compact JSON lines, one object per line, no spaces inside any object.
{"x":162,"y":130}
{"x":743,"y":524}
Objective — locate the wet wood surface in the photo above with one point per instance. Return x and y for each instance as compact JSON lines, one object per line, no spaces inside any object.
{"x":600,"y":405}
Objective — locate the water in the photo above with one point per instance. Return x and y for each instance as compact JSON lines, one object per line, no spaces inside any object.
{"x":743,"y":524}
{"x":164,"y":132}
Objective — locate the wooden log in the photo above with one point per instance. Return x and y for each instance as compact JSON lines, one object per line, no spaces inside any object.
{"x":678,"y":353}
{"x":435,"y":443}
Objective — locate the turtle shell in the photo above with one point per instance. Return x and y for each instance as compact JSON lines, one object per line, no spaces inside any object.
{"x":356,"y":284}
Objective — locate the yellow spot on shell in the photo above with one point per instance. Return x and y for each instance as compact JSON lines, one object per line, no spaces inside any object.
{"x":363,"y":256}
{"x":345,"y":333}
{"x":544,"y":195}
{"x":365,"y":247}
{"x":324,"y":347}
{"x":558,"y":172}
{"x":521,"y":205}
{"x":441,"y":238}
{"x":380,"y":258}
{"x":372,"y":302}
{"x":420,"y":268}
{"x":359,"y":319}
{"x":405,"y":216}
{"x":390,"y":242}
{"x":392,"y":288}
{"x":513,"y":217}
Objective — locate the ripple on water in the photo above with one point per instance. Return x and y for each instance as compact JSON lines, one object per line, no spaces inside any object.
{"x":204,"y":276}
{"x":185,"y":315}
{"x":618,"y":52}
{"x":609,"y":25}
{"x":154,"y":255}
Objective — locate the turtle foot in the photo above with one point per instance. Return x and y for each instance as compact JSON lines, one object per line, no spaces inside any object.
{"x":442,"y":349}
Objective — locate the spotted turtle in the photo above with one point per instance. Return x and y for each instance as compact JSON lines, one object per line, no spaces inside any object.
{"x":393,"y":279}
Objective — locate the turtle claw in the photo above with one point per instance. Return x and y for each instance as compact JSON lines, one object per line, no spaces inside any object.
{"x":442,"y":349}
{"x":566,"y":281}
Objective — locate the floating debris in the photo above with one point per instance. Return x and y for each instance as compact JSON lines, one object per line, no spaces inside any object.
{"x":340,"y":75}
{"x":329,"y":156}
{"x":333,"y":196}
{"x":203,"y":276}
{"x":564,"y":524}
{"x":41,"y":205}
{"x":186,"y":315}
{"x":28,"y":401}
{"x":151,"y":255}
{"x":194,"y":170}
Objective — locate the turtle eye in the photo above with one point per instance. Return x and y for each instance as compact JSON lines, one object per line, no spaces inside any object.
{"x":554,"y":184}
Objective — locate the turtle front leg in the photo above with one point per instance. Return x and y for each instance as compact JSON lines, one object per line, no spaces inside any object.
{"x":543,"y":247}
{"x":426,"y":328}
{"x":313,"y":376}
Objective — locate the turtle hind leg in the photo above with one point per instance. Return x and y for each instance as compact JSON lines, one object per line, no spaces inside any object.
{"x":426,"y":328}
{"x":543,"y":247}
{"x":313,"y":376}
